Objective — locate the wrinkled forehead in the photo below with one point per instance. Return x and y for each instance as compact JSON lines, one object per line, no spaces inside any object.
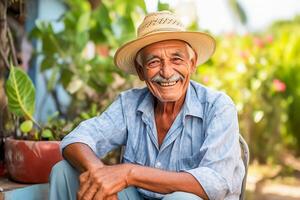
{"x":176,"y":44}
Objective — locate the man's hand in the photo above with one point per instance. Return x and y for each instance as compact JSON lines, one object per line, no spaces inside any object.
{"x":103,"y":183}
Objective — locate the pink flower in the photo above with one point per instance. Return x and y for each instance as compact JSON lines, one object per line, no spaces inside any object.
{"x":102,"y":50}
{"x":278,"y":85}
{"x":244,"y":54}
{"x":205,"y":79}
{"x":259,"y":42}
{"x":269,"y":39}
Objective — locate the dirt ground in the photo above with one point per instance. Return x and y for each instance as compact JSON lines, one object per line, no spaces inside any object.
{"x":266,"y":183}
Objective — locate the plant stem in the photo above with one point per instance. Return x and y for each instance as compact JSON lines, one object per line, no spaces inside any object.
{"x":53,"y":93}
{"x":6,"y":64}
{"x":56,"y":101}
{"x":12,"y":47}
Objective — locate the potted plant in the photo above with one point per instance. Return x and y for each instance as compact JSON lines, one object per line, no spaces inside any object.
{"x":28,"y":161}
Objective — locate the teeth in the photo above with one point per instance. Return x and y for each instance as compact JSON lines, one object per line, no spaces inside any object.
{"x":165,"y":84}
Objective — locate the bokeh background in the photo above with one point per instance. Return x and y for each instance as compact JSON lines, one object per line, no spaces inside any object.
{"x":67,"y":49}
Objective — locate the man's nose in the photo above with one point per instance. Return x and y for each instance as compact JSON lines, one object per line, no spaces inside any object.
{"x":166,"y":71}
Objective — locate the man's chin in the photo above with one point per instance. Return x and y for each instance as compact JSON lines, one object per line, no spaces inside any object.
{"x":166,"y":99}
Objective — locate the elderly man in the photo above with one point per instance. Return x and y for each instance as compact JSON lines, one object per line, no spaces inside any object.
{"x":181,"y":138}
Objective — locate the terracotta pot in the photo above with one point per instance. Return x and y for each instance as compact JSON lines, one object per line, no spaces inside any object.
{"x":31,"y":161}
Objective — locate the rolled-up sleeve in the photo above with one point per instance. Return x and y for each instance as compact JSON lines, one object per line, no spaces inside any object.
{"x":102,"y":133}
{"x":221,"y":153}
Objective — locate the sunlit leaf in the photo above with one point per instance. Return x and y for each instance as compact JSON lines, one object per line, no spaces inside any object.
{"x":26,"y":126}
{"x":21,"y":93}
{"x":47,"y":133}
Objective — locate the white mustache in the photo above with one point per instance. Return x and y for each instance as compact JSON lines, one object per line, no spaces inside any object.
{"x":158,"y":78}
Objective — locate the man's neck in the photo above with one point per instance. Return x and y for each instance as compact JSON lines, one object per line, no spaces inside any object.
{"x":169,"y":108}
{"x":165,"y":114}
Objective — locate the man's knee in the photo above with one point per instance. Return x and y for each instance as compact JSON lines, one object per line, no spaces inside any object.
{"x":63,"y":170}
{"x":129,"y":193}
{"x":63,"y":181}
{"x":181,"y":195}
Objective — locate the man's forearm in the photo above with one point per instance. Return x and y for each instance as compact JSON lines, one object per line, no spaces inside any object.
{"x":81,"y":156}
{"x":163,"y":181}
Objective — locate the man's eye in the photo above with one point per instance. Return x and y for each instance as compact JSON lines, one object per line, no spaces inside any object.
{"x":176,"y":60}
{"x":154,"y":63}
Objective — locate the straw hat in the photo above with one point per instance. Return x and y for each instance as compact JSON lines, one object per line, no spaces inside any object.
{"x":160,"y":26}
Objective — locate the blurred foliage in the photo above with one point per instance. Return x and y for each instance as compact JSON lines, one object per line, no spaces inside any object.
{"x":238,"y":11}
{"x":79,"y":56}
{"x":261,"y":72}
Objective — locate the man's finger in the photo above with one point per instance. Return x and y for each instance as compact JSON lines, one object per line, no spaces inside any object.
{"x":113,"y":197}
{"x":82,"y":189}
{"x":101,"y":194}
{"x":84,"y":177}
{"x":91,"y":191}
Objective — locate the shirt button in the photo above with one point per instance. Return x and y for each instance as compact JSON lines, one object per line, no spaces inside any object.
{"x":158,"y":165}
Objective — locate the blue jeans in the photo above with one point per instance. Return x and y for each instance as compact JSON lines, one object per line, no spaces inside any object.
{"x":64,"y":184}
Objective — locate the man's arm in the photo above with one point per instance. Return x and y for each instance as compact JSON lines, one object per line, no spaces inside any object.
{"x":81,"y":147}
{"x":164,"y":181}
{"x":82,"y":157}
{"x":109,"y":180}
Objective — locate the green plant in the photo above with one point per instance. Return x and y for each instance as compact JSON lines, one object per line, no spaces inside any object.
{"x":79,"y":56}
{"x":261,"y":72}
{"x":21,"y":102}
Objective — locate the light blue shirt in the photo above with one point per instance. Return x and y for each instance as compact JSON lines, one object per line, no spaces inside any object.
{"x":203,"y":140}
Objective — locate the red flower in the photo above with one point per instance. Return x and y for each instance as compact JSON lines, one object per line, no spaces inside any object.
{"x":278,"y":85}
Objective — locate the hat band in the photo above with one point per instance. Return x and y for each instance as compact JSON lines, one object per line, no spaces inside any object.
{"x":161,"y":30}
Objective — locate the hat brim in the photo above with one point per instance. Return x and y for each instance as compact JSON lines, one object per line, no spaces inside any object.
{"x":202,"y":43}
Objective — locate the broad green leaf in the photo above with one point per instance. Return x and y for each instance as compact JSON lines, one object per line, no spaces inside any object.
{"x":103,"y":15}
{"x":85,"y":115}
{"x":47,"y":133}
{"x":53,"y":79}
{"x":81,"y":39}
{"x":47,"y":63}
{"x":21,"y":93}
{"x":26,"y":126}
{"x":83,"y":22}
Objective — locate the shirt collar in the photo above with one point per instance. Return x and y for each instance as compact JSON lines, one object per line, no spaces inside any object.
{"x":147,"y":104}
{"x":192,"y":104}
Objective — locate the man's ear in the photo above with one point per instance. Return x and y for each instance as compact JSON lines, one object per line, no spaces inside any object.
{"x":139,"y":70}
{"x":194,"y":62}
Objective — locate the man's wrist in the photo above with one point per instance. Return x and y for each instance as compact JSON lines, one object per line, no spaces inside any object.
{"x":131,"y":174}
{"x":94,"y":166}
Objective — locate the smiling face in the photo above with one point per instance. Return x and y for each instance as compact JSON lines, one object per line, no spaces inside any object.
{"x":166,"y":68}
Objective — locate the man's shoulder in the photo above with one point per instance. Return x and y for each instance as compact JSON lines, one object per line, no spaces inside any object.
{"x":207,"y":95}
{"x":133,"y":96}
{"x":134,"y":92}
